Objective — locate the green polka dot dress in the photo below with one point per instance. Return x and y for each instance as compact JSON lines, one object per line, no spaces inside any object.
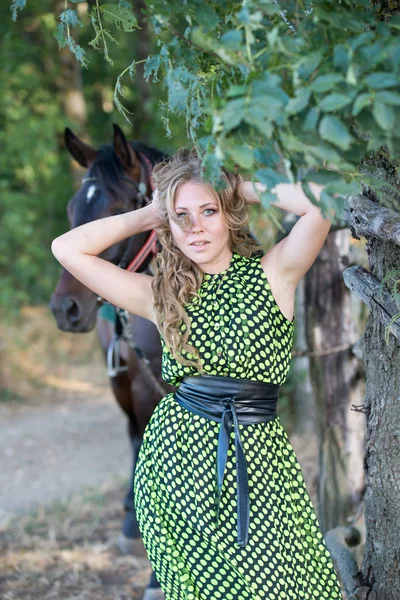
{"x":240,"y":332}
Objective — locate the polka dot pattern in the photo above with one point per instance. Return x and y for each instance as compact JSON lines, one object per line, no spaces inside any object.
{"x":237,"y":327}
{"x":286,"y":557}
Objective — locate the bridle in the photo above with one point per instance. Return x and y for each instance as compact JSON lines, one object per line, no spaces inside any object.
{"x":142,"y":199}
{"x":123,"y":327}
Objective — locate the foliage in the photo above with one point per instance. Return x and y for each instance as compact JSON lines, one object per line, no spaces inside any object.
{"x":279,"y":86}
{"x":32,"y":174}
{"x":273,"y":87}
{"x":35,"y":170}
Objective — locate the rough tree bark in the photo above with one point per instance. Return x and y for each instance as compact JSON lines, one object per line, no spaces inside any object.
{"x":379,"y":576}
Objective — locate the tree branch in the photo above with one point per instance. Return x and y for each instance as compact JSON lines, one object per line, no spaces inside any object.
{"x":339,"y":540}
{"x":367,"y":288}
{"x":367,"y":218}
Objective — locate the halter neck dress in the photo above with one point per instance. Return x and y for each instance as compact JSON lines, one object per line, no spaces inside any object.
{"x":239,"y":331}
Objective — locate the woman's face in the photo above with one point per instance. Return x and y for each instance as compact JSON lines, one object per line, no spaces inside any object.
{"x":206,"y":226}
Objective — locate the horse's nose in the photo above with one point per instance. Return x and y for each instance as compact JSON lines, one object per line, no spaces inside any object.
{"x":72,"y":310}
{"x":67,"y":312}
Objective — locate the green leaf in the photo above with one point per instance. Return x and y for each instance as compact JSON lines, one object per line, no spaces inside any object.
{"x":263,"y":124}
{"x":361,"y":40}
{"x":299,"y":103}
{"x":232,"y":39}
{"x":326,"y":82}
{"x":341,"y":58}
{"x":309,"y":63}
{"x":246,"y":17}
{"x":322,"y":176}
{"x":395,"y":22}
{"x":77,"y":51}
{"x":344,"y":189}
{"x":382,"y":80}
{"x":70,"y":17}
{"x":267,"y":156}
{"x":308,"y":192}
{"x":60,"y":35}
{"x":388,"y":97}
{"x":333,"y":130}
{"x":121,"y":16}
{"x":352,"y":74}
{"x":361,"y":102}
{"x":242,"y":155}
{"x":266,"y":107}
{"x":334,"y":102}
{"x":233,"y":113}
{"x":384,"y":115}
{"x":236,"y":90}
{"x":270,"y":177}
{"x":206,"y":16}
{"x":151,"y":66}
{"x":311,"y":119}
{"x":266,"y":198}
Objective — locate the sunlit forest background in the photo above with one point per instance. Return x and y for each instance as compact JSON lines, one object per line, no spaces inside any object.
{"x":44,"y":90}
{"x":36,"y":175}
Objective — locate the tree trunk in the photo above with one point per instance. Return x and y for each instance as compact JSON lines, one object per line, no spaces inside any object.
{"x":335,"y":377}
{"x":381,"y":561}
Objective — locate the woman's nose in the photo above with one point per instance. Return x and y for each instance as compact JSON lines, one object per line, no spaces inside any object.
{"x":196,"y":223}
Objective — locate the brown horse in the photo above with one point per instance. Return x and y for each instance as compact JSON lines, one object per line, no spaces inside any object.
{"x":117,"y":180}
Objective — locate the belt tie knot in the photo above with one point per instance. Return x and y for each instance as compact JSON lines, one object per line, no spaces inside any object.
{"x":230,"y":401}
{"x":229,"y":417}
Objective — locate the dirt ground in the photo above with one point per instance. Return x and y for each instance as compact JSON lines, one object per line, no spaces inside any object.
{"x":65,"y":463}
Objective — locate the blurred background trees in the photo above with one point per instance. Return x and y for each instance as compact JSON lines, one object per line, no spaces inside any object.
{"x":44,"y":90}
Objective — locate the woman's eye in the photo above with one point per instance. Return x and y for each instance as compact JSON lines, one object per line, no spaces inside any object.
{"x":206,"y":210}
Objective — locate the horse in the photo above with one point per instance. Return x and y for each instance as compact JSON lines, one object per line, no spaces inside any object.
{"x":118,"y":179}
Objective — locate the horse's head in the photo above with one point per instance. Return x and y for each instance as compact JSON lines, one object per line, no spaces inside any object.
{"x":117,"y":181}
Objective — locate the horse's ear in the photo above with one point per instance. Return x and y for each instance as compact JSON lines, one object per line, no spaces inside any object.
{"x":82,"y":152}
{"x":123,"y":149}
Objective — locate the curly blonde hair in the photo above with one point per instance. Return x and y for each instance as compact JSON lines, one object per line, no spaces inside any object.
{"x":178,"y":278}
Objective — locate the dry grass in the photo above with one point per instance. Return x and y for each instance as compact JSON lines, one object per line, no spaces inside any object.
{"x":35,"y":357}
{"x":68,"y":551}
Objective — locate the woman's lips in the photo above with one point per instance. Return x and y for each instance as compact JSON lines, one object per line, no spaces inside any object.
{"x":199,"y":247}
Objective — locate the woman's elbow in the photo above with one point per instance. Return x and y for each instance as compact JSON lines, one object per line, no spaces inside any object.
{"x":58,"y":248}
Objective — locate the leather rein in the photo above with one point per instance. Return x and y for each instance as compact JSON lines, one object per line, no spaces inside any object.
{"x":123,"y":328}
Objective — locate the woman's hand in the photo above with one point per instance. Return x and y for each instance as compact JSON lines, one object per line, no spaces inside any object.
{"x":156,"y":210}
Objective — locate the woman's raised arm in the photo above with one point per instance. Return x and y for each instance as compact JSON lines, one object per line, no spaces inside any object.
{"x":296,"y":253}
{"x":77,"y":250}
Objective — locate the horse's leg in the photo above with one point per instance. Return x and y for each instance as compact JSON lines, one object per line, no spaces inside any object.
{"x":121,"y":385}
{"x":146,"y":399}
{"x":138,"y":400}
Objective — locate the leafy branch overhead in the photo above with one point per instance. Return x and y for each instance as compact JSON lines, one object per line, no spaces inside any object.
{"x":273,"y":87}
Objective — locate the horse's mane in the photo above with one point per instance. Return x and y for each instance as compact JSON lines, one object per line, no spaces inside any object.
{"x":108,"y":170}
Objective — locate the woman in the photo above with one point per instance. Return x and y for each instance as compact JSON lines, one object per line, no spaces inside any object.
{"x":219,"y":493}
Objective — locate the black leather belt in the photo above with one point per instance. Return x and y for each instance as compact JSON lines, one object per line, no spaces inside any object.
{"x":230,"y":401}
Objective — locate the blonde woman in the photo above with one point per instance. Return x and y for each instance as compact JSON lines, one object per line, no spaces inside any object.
{"x":219,"y":493}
